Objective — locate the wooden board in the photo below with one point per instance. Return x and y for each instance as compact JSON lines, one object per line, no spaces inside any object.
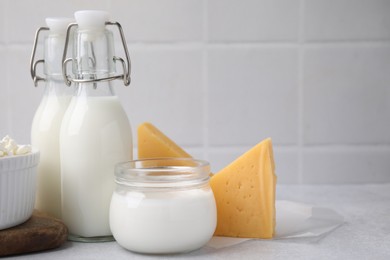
{"x":40,"y":232}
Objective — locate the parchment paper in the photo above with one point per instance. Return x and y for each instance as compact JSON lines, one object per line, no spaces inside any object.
{"x":294,"y":221}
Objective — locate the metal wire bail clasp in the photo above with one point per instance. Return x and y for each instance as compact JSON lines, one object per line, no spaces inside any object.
{"x":33,"y":64}
{"x":126,"y":66}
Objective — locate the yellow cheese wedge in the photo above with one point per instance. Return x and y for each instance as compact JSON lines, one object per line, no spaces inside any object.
{"x":153,"y":143}
{"x":245,"y":194}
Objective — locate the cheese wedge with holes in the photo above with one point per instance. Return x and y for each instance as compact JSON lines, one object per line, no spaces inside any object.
{"x":245,"y":194}
{"x":153,"y":143}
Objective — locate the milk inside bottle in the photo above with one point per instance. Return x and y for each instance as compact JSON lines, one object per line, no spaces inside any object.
{"x":95,"y":133}
{"x":47,"y":120}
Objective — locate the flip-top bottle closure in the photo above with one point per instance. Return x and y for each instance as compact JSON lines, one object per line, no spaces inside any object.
{"x":56,"y":27}
{"x":93,"y":57}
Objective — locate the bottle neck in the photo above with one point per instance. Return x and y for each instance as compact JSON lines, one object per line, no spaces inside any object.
{"x":93,"y":54}
{"x":54,"y":86}
{"x":54,"y":81}
{"x":95,"y":89}
{"x":54,"y":45}
{"x":93,"y":59}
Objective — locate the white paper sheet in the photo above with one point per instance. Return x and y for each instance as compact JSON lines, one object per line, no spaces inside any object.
{"x":293,"y":221}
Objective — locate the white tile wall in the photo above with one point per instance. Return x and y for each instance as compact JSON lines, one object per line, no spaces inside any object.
{"x":23,"y":17}
{"x":160,"y":21}
{"x":2,"y":22}
{"x":346,"y":95}
{"x":347,"y":165}
{"x":253,"y":94}
{"x":4,"y":94}
{"x":347,"y":20}
{"x":23,"y":98}
{"x":166,"y":89}
{"x":253,"y":20}
{"x":218,"y":76}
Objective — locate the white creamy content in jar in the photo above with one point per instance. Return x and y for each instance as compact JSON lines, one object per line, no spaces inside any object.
{"x":163,"y":220}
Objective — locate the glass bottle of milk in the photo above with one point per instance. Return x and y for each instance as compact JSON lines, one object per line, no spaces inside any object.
{"x":95,"y":133}
{"x":48,"y":117}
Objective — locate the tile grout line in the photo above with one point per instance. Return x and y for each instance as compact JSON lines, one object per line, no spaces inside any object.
{"x":246,"y":45}
{"x":7,"y":46}
{"x":308,"y":146}
{"x":301,"y":50}
{"x":205,"y":86}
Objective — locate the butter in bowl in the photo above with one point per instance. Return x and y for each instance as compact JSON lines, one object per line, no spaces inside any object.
{"x":18,"y":170}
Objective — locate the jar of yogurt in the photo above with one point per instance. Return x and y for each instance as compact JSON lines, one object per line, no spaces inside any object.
{"x":162,"y":206}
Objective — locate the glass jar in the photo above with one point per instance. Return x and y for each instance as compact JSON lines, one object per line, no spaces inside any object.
{"x":163,"y":205}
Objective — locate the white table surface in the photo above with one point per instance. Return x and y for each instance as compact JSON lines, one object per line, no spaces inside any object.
{"x":365,"y":234}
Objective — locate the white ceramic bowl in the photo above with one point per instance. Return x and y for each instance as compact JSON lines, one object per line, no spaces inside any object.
{"x":17,"y":188}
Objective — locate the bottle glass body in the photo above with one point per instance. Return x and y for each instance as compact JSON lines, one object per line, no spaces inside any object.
{"x":46,"y":126}
{"x":95,"y":136}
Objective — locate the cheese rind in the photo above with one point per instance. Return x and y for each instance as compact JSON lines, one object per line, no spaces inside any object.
{"x":245,"y":194}
{"x":152,"y":143}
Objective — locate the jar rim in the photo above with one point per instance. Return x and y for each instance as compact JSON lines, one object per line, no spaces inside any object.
{"x":162,"y":172}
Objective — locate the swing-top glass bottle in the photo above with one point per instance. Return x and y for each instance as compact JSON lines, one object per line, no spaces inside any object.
{"x":47,"y":120}
{"x":95,"y":133}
